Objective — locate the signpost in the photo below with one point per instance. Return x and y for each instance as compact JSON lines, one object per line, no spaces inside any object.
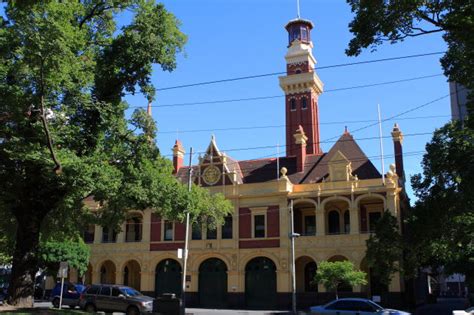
{"x":62,"y":273}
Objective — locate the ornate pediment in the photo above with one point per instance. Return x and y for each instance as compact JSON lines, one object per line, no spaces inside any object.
{"x":340,"y":168}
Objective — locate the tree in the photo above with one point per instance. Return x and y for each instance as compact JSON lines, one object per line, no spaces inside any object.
{"x":441,"y":225}
{"x":74,"y":251}
{"x":385,"y":249}
{"x":64,"y":136}
{"x":376,"y":22}
{"x":333,"y":274}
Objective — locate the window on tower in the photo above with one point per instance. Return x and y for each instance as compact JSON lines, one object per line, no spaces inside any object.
{"x":304,"y":34}
{"x":304,"y":104}
{"x":292,"y":104}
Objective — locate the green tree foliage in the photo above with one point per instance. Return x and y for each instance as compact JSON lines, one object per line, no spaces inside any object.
{"x":441,"y":225}
{"x":385,"y":249}
{"x":334,"y":274}
{"x":73,"y":251}
{"x":393,"y":21}
{"x":64,"y":136}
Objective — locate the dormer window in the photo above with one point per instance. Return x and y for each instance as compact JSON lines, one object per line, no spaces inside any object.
{"x":292,"y":105}
{"x":304,"y":104}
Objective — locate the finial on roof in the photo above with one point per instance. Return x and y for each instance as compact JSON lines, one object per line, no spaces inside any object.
{"x":298,"y":9}
{"x":346,"y":132}
{"x":213,"y":138}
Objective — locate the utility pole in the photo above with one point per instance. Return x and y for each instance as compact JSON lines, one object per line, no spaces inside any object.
{"x":292,"y":236}
{"x":186,"y":237}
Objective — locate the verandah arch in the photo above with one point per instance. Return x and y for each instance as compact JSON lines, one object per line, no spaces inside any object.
{"x":261,"y":284}
{"x":168,"y":277}
{"x":132,"y":274}
{"x":107,"y":272}
{"x":213,"y":283}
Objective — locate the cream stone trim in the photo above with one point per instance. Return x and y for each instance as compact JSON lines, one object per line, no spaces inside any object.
{"x":244,"y":260}
{"x":370,"y":195}
{"x":197,"y":261}
{"x":302,"y":82}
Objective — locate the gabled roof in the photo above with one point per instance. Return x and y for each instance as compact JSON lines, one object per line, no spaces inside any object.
{"x":316,"y":167}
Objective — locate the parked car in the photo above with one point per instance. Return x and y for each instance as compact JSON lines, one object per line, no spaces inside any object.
{"x":469,"y":311}
{"x":71,"y":294}
{"x":115,"y":298}
{"x":353,"y":306}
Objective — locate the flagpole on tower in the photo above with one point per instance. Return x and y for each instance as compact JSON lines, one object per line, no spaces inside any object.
{"x":298,"y":8}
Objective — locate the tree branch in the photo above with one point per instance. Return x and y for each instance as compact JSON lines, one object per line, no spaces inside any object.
{"x":58,"y":167}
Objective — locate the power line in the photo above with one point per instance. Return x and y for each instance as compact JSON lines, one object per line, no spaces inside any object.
{"x":303,"y":125}
{"x":278,"y":73}
{"x":316,"y":143}
{"x":259,"y":98}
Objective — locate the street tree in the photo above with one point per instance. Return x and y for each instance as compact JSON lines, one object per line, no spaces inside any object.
{"x":440,"y":226}
{"x":385,"y":249}
{"x":65,"y":67}
{"x":334,"y":274}
{"x":376,"y":22}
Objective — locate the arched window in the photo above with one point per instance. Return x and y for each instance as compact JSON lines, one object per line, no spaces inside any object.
{"x":304,"y":103}
{"x":347,"y":222}
{"x":133,"y":229}
{"x":333,"y":222}
{"x":292,"y":104}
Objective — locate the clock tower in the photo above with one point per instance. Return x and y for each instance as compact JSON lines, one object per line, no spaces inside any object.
{"x":302,"y":88}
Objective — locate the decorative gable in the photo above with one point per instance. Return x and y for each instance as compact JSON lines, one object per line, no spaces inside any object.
{"x":216,"y":168}
{"x":340,"y":168}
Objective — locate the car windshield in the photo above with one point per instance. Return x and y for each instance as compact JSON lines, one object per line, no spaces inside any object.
{"x":378,"y":307}
{"x":130,"y":292}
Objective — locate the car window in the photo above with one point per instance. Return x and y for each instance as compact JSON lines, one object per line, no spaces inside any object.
{"x":375,"y":305}
{"x":338,"y":305}
{"x":93,"y":290}
{"x":105,"y":291}
{"x":116,"y":292}
{"x":364,"y":306}
{"x":130,"y":292}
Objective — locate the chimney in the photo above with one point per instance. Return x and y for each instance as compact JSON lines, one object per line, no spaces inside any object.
{"x":178,"y":156}
{"x":397,"y":137}
{"x":300,"y":141}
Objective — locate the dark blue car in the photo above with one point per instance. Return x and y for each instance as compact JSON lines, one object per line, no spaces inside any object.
{"x":71,"y":294}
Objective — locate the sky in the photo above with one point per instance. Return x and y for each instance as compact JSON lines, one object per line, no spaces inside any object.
{"x":236,"y":38}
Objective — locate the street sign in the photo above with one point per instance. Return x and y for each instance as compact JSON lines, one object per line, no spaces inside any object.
{"x":63,"y":269}
{"x":62,"y":273}
{"x":180,"y":253}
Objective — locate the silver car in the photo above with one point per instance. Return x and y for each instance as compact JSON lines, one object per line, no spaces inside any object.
{"x":115,"y":298}
{"x":354,"y":306}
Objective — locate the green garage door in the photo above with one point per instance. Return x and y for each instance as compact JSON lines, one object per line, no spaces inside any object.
{"x":213,"y":283}
{"x":168,"y":277}
{"x":260,"y":284}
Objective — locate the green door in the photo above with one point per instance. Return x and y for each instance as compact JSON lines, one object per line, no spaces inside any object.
{"x":168,"y":277}
{"x":213,"y":283}
{"x":260,"y":284}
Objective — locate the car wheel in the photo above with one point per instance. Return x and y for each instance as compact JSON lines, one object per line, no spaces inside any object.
{"x":56,"y":303}
{"x":133,"y":310}
{"x":90,"y":308}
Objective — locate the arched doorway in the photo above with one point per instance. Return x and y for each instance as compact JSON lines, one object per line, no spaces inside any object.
{"x":107,"y":272}
{"x":168,"y":277}
{"x":260,"y":283}
{"x":213,"y":283}
{"x":305,"y":273}
{"x":131,"y":274}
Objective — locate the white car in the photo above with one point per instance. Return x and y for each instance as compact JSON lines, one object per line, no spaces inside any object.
{"x":353,"y":306}
{"x":469,"y":311}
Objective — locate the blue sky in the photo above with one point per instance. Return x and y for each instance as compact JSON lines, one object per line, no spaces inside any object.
{"x":236,"y":38}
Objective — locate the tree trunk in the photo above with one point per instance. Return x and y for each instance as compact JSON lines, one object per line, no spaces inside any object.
{"x":25,"y":261}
